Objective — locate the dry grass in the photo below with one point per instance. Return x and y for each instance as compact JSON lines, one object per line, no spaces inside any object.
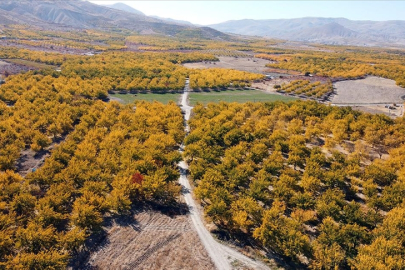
{"x":152,"y":241}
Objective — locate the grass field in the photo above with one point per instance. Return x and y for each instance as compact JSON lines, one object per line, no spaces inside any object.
{"x":129,"y":98}
{"x":30,"y":63}
{"x":235,"y":96}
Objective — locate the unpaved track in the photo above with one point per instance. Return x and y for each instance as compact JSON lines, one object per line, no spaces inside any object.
{"x":221,"y":255}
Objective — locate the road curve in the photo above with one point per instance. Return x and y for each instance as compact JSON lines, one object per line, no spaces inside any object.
{"x":221,"y":255}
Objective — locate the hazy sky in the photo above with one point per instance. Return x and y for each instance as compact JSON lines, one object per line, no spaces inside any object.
{"x":209,"y":12}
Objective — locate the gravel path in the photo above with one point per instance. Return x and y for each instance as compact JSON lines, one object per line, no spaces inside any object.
{"x":221,"y":255}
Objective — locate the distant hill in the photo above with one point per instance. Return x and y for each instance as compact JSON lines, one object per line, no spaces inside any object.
{"x":339,"y":31}
{"x":169,"y":20}
{"x":78,"y":14}
{"x":124,"y":7}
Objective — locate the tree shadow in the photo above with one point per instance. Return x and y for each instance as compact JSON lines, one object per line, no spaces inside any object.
{"x":94,"y":243}
{"x":243,"y":241}
{"x":172,"y":209}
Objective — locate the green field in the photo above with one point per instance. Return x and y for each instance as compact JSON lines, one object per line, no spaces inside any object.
{"x":129,"y":98}
{"x":235,"y":96}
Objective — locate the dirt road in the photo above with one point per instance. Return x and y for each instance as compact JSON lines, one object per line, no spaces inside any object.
{"x":221,"y":255}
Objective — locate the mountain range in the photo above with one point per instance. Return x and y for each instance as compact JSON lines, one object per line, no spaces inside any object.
{"x":78,"y":14}
{"x":338,"y":31}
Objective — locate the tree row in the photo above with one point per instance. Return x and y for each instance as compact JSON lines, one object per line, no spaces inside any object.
{"x":304,"y":180}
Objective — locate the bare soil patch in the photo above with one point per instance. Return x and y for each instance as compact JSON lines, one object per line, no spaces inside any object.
{"x":152,"y":240}
{"x":371,"y":90}
{"x":30,"y":161}
{"x":249,"y":64}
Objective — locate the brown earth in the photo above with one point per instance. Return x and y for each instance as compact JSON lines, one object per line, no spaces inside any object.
{"x":371,"y":90}
{"x":152,"y":240}
{"x":372,"y":95}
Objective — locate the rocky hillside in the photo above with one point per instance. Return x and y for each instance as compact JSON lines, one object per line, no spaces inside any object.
{"x":124,"y":7}
{"x":78,"y":14}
